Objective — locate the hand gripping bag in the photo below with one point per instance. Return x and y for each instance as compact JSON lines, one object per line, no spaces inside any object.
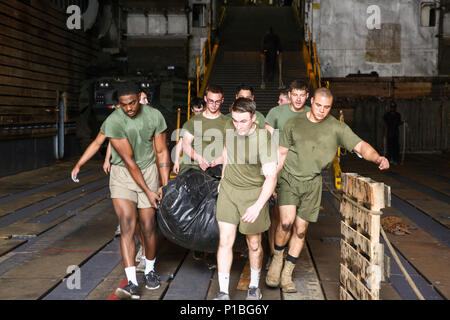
{"x":187,"y":211}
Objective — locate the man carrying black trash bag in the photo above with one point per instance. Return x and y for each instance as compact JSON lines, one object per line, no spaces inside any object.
{"x":203,"y":134}
{"x":248,"y":181}
{"x":140,"y":162}
{"x":203,"y":142}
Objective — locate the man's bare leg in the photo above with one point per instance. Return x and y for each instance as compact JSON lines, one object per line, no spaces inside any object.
{"x":140,"y":236}
{"x":255,"y":255}
{"x":284,"y":228}
{"x":148,"y":229}
{"x":274,"y":220}
{"x":255,"y":252}
{"x":297,"y":240}
{"x":148,"y":232}
{"x":227,"y":233}
{"x":127,"y":214}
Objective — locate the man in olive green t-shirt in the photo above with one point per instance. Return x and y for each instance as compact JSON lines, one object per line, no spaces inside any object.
{"x":297,"y":95}
{"x":203,"y":134}
{"x":248,"y":181}
{"x":140,"y":163}
{"x":308,"y":145}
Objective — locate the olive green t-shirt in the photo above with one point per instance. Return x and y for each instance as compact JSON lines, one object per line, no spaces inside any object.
{"x":139,"y":131}
{"x":277,"y":116}
{"x":208,"y":139}
{"x":260,"y":119}
{"x":246,"y":155}
{"x":312,"y":146}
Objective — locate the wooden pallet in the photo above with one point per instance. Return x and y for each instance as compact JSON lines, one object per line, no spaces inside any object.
{"x":362,"y":255}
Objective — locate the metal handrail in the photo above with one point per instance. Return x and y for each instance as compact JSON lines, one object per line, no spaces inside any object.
{"x":222,"y":16}
{"x":188,"y":102}
{"x":312,"y":62}
{"x":201,"y":92}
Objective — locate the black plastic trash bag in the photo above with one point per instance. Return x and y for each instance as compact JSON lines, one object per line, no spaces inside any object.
{"x":187,"y":212}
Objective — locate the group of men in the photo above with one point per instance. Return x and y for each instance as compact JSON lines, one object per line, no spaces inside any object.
{"x":283,"y":152}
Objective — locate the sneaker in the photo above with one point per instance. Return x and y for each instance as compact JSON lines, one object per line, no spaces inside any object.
{"x":118,"y":232}
{"x":141,"y":266}
{"x":254,"y":293}
{"x":130,"y":291}
{"x":152,"y":280}
{"x":139,"y":255}
{"x":222,"y":296}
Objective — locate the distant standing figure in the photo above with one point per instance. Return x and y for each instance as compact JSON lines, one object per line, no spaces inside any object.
{"x":270,"y":48}
{"x":392,"y":121}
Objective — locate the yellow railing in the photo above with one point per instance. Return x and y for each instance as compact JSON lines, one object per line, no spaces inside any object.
{"x":201,"y":71}
{"x":337,"y":160}
{"x":188,"y":101}
{"x":312,"y":62}
{"x":201,"y":92}
{"x":222,"y":16}
{"x":178,"y":123}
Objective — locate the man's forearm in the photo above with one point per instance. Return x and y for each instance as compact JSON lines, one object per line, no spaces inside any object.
{"x":281,"y":157}
{"x":178,"y":151}
{"x":188,"y":150}
{"x":267,"y":190}
{"x":369,"y":153}
{"x":90,"y":151}
{"x":163,"y":163}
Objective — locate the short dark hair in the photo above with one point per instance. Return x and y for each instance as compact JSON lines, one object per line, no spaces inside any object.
{"x":284,"y":92}
{"x":298,"y":85}
{"x":198,"y":102}
{"x":244,"y":87}
{"x":126,"y":88}
{"x":243,"y":105}
{"x":214,"y":88}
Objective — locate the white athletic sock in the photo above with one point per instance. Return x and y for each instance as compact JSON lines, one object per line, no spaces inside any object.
{"x":149,"y":265}
{"x":131,"y":274}
{"x":224,"y":280}
{"x":254,"y":277}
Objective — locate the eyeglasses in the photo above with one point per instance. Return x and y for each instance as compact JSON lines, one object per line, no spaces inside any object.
{"x":217,"y":102}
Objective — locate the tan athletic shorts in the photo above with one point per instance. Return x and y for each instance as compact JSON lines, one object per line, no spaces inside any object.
{"x":232,"y":203}
{"x":306,"y":195}
{"x":123,"y":186}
